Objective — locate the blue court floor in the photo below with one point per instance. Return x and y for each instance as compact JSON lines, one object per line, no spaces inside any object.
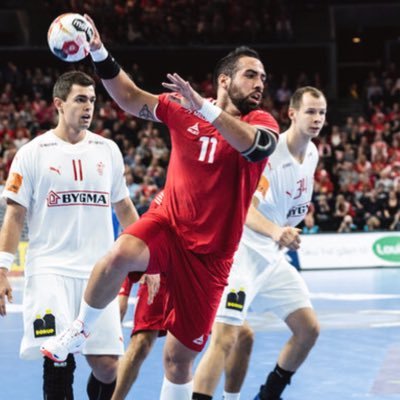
{"x":356,"y":357}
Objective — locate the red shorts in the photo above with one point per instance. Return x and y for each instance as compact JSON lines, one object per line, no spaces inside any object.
{"x":194,"y":282}
{"x":150,"y":317}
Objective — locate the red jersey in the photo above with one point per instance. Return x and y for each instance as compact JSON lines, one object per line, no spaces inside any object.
{"x":209,"y":184}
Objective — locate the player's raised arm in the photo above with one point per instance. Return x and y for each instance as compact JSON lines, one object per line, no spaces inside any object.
{"x":254,"y":141}
{"x":119,"y":85}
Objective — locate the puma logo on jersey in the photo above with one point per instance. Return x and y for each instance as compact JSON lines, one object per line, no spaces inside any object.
{"x":199,"y":340}
{"x":194,"y":129}
{"x":56,"y":170}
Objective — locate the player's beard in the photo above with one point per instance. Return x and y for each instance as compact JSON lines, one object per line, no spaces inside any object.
{"x":240,"y":102}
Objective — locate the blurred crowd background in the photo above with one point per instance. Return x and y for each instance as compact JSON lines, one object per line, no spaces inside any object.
{"x":357,"y":183}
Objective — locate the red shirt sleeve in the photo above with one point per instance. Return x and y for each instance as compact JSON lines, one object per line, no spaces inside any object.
{"x":126,"y":287}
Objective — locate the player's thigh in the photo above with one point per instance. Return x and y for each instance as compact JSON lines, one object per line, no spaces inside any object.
{"x":303,"y":322}
{"x":150,"y":237}
{"x":243,"y":286}
{"x":285,"y":291}
{"x":195,"y":285}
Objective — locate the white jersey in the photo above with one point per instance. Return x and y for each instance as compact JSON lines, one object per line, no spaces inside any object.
{"x":284,"y":194}
{"x":68,"y":190}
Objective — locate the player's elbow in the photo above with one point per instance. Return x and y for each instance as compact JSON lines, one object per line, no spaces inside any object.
{"x":263,"y":146}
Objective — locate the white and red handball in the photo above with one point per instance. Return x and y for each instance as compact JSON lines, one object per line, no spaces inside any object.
{"x":69,"y":36}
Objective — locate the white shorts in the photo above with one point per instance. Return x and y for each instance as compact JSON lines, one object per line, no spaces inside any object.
{"x":280,"y":285}
{"x":51,"y":303}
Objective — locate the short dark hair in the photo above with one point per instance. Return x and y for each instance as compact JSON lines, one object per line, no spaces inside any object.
{"x":64,"y":83}
{"x":227,"y":65}
{"x":297,"y":97}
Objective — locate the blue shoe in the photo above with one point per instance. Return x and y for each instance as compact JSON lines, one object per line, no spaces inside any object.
{"x":259,"y":398}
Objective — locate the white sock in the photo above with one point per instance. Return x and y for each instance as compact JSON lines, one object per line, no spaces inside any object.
{"x":88,"y":315}
{"x":230,"y":396}
{"x":173,"y":391}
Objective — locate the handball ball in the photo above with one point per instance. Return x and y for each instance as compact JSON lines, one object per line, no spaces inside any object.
{"x":69,"y":36}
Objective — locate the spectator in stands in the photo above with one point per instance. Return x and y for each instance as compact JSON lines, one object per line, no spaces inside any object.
{"x":309,"y":224}
{"x":390,"y":208}
{"x":395,"y":226}
{"x":362,"y":164}
{"x":323,"y":213}
{"x":283,"y":94}
{"x":371,"y":205}
{"x":373,"y":224}
{"x":325,"y":183}
{"x":347,"y":225}
{"x":342,"y":208}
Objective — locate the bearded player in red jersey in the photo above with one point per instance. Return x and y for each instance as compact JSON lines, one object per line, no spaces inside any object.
{"x":218,"y":154}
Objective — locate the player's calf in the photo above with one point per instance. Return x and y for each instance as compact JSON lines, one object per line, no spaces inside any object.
{"x":58,"y":379}
{"x":97,"y":390}
{"x":275,"y":384}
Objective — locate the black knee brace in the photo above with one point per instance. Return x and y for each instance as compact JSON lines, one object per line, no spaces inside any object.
{"x":58,"y":379}
{"x":97,"y":390}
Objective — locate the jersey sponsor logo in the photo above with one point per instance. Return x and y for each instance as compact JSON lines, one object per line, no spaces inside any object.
{"x":14,"y":182}
{"x":78,"y":198}
{"x":388,"y":248}
{"x":48,"y":144}
{"x":235,"y":300}
{"x":44,"y":326}
{"x":194,"y":129}
{"x":199,"y":340}
{"x":95,"y":142}
{"x":298,"y":210}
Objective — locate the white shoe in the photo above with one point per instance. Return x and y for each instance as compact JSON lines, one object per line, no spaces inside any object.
{"x":71,"y":340}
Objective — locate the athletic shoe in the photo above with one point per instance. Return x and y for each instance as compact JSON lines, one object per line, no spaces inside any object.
{"x":71,"y":340}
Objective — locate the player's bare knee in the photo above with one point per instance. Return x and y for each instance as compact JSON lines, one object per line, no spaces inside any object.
{"x":245,"y":339}
{"x":129,"y":254}
{"x":140,"y":346}
{"x":313,"y":331}
{"x":306,"y":335}
{"x":225,"y":342}
{"x":104,"y":367}
{"x":177,"y":370}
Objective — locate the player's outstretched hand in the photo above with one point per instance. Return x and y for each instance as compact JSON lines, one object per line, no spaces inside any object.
{"x":153,"y":285}
{"x":191,"y":99}
{"x":5,"y":291}
{"x":96,"y":42}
